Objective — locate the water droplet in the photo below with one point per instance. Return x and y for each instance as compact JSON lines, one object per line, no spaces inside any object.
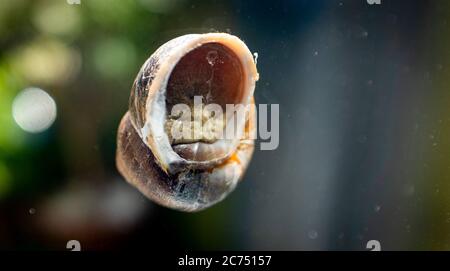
{"x":212,"y":56}
{"x":312,"y":234}
{"x":409,"y":190}
{"x":255,"y":54}
{"x":362,"y":139}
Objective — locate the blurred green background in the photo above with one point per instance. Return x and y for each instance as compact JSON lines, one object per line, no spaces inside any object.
{"x":364,"y":94}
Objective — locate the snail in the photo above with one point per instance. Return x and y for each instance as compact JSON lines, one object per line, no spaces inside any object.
{"x":194,"y":173}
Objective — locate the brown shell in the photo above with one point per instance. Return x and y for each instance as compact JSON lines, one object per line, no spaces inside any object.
{"x":190,"y":187}
{"x":136,"y":163}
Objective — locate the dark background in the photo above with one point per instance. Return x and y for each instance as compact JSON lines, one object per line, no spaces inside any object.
{"x":364,"y":95}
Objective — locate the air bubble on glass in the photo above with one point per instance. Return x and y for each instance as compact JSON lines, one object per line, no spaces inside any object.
{"x":212,"y":56}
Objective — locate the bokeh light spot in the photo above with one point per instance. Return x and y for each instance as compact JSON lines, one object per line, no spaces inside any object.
{"x":34,"y":110}
{"x":57,"y":18}
{"x":47,"y":62}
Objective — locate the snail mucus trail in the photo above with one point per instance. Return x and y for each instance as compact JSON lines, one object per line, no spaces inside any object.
{"x":191,"y":172}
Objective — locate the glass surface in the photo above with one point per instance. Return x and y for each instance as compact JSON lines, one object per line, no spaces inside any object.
{"x":364,"y":98}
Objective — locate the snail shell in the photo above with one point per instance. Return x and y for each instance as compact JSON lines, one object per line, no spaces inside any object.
{"x":188,"y":175}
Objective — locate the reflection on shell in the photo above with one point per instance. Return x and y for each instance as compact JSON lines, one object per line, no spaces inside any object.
{"x":188,"y":175}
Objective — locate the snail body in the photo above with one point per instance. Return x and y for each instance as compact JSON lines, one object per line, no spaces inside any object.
{"x":189,"y":174}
